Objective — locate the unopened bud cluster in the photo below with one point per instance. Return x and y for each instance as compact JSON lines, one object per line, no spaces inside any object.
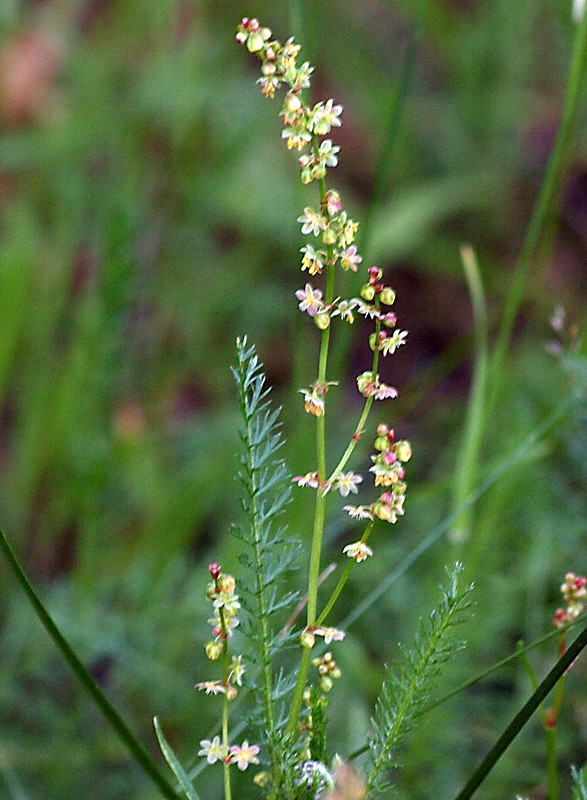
{"x":327,"y":670}
{"x":574,"y":592}
{"x":221,"y":593}
{"x":388,"y":461}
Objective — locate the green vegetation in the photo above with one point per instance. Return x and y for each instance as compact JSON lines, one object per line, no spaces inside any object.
{"x":147,"y":219}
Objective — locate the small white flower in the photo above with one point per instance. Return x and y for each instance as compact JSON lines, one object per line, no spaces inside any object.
{"x":347,"y":482}
{"x":312,"y":222}
{"x":329,"y":634}
{"x":358,"y":550}
{"x":391,"y":343}
{"x":237,"y":670}
{"x":213,"y":750}
{"x":359,"y":512}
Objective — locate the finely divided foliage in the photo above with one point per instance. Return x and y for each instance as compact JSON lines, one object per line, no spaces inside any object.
{"x":406,"y":687}
{"x":269,"y":554}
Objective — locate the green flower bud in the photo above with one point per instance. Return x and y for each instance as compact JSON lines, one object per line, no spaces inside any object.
{"x":226,"y":584}
{"x":400,"y":488}
{"x":292,"y":102}
{"x":306,"y":175}
{"x":230,"y":692}
{"x":403,"y":451}
{"x":329,"y":236}
{"x":322,"y":320}
{"x":255,"y":43}
{"x":326,"y":683}
{"x":367,"y":292}
{"x":321,"y":128}
{"x":382,"y":511}
{"x":387,"y":296}
{"x":213,"y":650}
{"x":382,"y":443}
{"x":307,"y":639}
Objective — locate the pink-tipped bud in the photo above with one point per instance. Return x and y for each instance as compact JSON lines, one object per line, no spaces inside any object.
{"x":214,"y":570}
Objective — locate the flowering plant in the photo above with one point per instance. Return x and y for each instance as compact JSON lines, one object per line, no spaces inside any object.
{"x":290,"y":701}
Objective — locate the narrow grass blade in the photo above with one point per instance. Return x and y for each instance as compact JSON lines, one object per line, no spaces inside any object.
{"x":174,"y":764}
{"x":110,"y":714}
{"x":467,"y":468}
{"x":522,"y":717}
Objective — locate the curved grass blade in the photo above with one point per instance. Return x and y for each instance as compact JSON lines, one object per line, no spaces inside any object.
{"x":174,"y":764}
{"x":110,"y":714}
{"x":522,"y":717}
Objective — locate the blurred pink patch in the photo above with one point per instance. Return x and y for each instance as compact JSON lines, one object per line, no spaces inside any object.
{"x":29,"y":65}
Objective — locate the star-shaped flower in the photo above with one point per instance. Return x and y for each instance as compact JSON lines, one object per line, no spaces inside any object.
{"x":244,"y":755}
{"x":312,"y":222}
{"x":347,"y":482}
{"x":310,"y":300}
{"x":213,"y":750}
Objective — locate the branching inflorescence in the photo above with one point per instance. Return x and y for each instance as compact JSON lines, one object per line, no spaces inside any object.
{"x":293,"y":733}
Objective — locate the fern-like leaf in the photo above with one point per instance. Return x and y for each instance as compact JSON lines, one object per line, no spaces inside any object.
{"x":269,"y":554}
{"x":406,"y":686}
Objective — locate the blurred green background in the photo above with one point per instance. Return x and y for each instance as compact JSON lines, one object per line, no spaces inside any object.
{"x":147,"y":217}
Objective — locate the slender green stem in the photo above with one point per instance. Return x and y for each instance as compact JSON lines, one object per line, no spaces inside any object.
{"x":522,"y":717}
{"x":111,"y":715}
{"x":225,"y":681}
{"x":343,"y":579}
{"x":546,"y":206}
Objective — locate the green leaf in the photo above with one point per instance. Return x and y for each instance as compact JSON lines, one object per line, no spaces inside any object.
{"x":174,"y":764}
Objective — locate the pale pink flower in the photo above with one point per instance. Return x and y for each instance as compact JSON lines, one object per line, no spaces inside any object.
{"x":310,"y":300}
{"x":211,"y":687}
{"x":349,"y":258}
{"x":244,"y":755}
{"x":309,"y":479}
